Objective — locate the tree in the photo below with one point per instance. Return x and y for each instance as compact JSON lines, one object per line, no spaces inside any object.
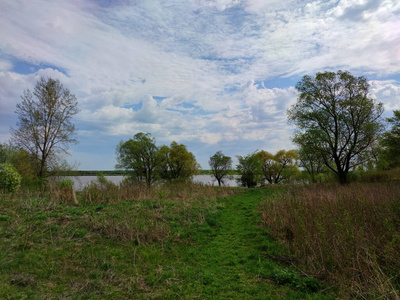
{"x":177,"y":162}
{"x":249,"y":169}
{"x":279,"y":167}
{"x":311,"y":162}
{"x":336,"y":117}
{"x":21,"y":160}
{"x":391,"y":141}
{"x":220,"y":166}
{"x":45,"y":127}
{"x":141,"y":156}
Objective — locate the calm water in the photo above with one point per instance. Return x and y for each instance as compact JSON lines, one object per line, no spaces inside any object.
{"x":81,"y":181}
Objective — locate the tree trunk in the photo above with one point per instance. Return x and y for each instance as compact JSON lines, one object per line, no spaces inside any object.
{"x":342,"y":175}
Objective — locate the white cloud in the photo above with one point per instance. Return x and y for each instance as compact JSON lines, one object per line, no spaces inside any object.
{"x":387,"y":92}
{"x":206,"y":59}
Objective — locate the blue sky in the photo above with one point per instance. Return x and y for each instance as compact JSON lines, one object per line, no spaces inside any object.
{"x":211,"y":74}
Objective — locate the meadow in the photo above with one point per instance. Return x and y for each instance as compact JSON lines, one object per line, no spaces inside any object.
{"x":190,"y":241}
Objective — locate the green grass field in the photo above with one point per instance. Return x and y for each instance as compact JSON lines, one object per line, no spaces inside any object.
{"x":206,"y":246}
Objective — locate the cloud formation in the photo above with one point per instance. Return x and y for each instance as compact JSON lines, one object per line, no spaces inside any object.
{"x":213,"y":74}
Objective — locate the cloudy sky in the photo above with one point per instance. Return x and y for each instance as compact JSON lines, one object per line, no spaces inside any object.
{"x":211,"y":74}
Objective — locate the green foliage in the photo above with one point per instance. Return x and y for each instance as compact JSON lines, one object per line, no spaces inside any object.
{"x":22,"y":162}
{"x":141,"y":157}
{"x":177,"y":162}
{"x":279,"y":167}
{"x":312,"y":163}
{"x":390,"y":142}
{"x":220,"y":166}
{"x":289,"y":277}
{"x":249,"y":170}
{"x":148,"y":163}
{"x":10,"y":179}
{"x":336,"y":119}
{"x":66,"y":183}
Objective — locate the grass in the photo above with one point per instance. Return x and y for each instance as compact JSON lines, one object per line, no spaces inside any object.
{"x":176,"y":242}
{"x":349,"y":235}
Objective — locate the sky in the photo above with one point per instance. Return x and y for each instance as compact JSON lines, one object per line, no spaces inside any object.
{"x":210,"y":74}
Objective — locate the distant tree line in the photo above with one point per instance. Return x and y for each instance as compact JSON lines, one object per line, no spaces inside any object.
{"x":340,"y":131}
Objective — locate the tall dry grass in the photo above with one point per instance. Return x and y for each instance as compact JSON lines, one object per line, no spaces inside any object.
{"x":347,"y":234}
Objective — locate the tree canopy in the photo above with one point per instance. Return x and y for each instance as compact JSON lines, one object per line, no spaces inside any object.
{"x":391,"y":141}
{"x":44,"y":127}
{"x":141,"y":156}
{"x":248,"y":169}
{"x":311,"y":162}
{"x":279,"y":167}
{"x":149,"y":163}
{"x":220,"y":165}
{"x":177,"y":162}
{"x":336,"y":118}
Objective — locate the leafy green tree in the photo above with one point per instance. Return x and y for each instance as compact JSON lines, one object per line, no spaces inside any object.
{"x":141,"y":157}
{"x":311,"y":162}
{"x":7,"y":153}
{"x":391,"y":142}
{"x":220,"y":165}
{"x":21,"y":160}
{"x":10,"y":179}
{"x":279,"y":167}
{"x":249,"y":170}
{"x":336,"y":117}
{"x":177,"y":162}
{"x":45,"y":127}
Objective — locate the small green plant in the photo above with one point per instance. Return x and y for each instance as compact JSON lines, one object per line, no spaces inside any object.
{"x":65,"y":184}
{"x":10,"y":179}
{"x":64,"y":191}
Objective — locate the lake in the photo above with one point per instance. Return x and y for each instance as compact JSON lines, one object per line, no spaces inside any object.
{"x":81,"y":181}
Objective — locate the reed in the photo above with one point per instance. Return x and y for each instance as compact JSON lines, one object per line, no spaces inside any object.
{"x":347,"y":234}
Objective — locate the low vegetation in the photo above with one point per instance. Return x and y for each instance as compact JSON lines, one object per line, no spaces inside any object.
{"x":110,"y":246}
{"x":348,"y":235}
{"x":179,"y":240}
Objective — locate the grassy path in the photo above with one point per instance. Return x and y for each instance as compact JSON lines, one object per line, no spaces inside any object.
{"x":227,"y":257}
{"x":144,"y":249}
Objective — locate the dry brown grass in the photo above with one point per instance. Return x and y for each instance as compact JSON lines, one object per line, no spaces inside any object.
{"x":348,"y":234}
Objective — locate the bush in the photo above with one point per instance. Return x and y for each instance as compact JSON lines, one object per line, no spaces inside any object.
{"x":63,"y":191}
{"x":10,"y":179}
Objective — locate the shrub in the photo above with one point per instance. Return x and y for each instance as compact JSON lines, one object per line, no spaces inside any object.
{"x":63,"y":191}
{"x":10,"y":179}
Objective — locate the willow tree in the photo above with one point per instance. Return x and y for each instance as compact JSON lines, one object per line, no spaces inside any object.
{"x":336,"y":118}
{"x":177,"y":162}
{"x":44,"y":127}
{"x":278,"y":167}
{"x":140,"y":157}
{"x":220,"y":165}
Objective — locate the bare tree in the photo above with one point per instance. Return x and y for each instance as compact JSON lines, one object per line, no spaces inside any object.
{"x":45,"y":127}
